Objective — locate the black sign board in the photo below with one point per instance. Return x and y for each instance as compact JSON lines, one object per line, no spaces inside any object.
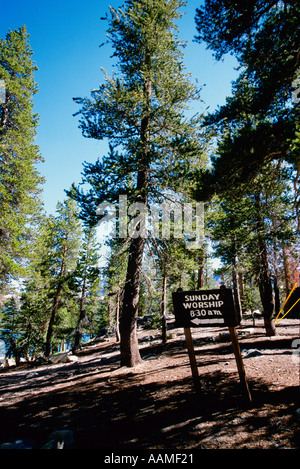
{"x":204,"y":308}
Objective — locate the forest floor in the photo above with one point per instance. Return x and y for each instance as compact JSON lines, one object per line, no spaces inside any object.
{"x":153,"y":405}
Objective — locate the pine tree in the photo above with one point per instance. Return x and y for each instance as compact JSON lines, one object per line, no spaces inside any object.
{"x":34,"y":311}
{"x":260,"y":121}
{"x":86,"y":278}
{"x":246,"y":227}
{"x":63,"y":237}
{"x":141,"y":111}
{"x":115,"y":273}
{"x":10,"y":329}
{"x":256,"y":128}
{"x":264,"y":37}
{"x":19,"y":178}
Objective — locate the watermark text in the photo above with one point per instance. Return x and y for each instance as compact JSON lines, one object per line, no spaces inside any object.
{"x":161,"y":221}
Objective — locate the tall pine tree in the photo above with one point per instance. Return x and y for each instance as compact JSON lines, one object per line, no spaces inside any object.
{"x":141,"y":111}
{"x":62,"y":240}
{"x":86,"y":278}
{"x":261,"y":120}
{"x":19,"y":178}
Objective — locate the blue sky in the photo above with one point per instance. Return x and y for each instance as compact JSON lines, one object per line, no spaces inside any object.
{"x":65,"y":37}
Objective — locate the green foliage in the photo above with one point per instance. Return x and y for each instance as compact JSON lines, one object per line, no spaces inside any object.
{"x":10,"y":327}
{"x":85,"y":281}
{"x":263,"y":34}
{"x":19,"y":155}
{"x":254,"y":157}
{"x":86,"y":273}
{"x":259,"y":122}
{"x":150,"y":86}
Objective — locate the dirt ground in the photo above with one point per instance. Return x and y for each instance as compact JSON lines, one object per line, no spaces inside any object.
{"x":154,"y":406}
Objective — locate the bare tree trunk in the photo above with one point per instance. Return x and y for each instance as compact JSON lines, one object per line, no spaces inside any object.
{"x":130,"y":355}
{"x":200,"y":279}
{"x":52,"y":320}
{"x":241,"y":290}
{"x":287,"y":272}
{"x":118,"y":307}
{"x":55,"y":305}
{"x":264,"y":276}
{"x":82,"y":316}
{"x":277,"y":296}
{"x":164,"y":307}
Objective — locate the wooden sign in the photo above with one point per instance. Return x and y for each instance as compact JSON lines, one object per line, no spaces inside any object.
{"x":204,"y":308}
{"x":208,"y":308}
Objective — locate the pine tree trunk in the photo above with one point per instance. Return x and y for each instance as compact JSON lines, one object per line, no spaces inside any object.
{"x":130,"y":355}
{"x":266,"y":295}
{"x":277,"y":296}
{"x":235,"y":281}
{"x":118,"y":307}
{"x":51,"y":322}
{"x":82,"y":311}
{"x":164,"y":307}
{"x":82,"y":316}
{"x":287,"y":272}
{"x":55,"y":305}
{"x":200,"y":279}
{"x":264,"y":277}
{"x":276,"y":287}
{"x":241,"y":290}
{"x":236,"y":292}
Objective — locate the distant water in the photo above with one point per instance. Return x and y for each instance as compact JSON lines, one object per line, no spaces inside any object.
{"x":67,"y":346}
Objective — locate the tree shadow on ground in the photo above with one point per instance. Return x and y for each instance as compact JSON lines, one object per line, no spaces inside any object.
{"x":124,"y":412}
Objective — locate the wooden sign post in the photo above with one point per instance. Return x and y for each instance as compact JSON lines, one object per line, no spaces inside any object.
{"x":239,"y":363}
{"x":207,"y":308}
{"x":192,"y":357}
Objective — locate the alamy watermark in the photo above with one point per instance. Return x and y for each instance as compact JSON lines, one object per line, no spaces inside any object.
{"x":296,"y":90}
{"x":160,"y":221}
{"x":296,"y":351}
{"x":2,"y":91}
{"x":2,"y":352}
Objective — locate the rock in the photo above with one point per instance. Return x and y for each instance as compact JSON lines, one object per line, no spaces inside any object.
{"x":10,"y":362}
{"x":61,"y":439}
{"x":208,"y":339}
{"x":251,"y":353}
{"x":20,"y":444}
{"x":40,"y":361}
{"x":171,"y":335}
{"x":147,"y":338}
{"x":59,"y":358}
{"x":62,"y":358}
{"x":151,"y":357}
{"x":224,"y":336}
{"x":250,"y":330}
{"x":297,"y":413}
{"x":31,"y":375}
{"x":73,"y":358}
